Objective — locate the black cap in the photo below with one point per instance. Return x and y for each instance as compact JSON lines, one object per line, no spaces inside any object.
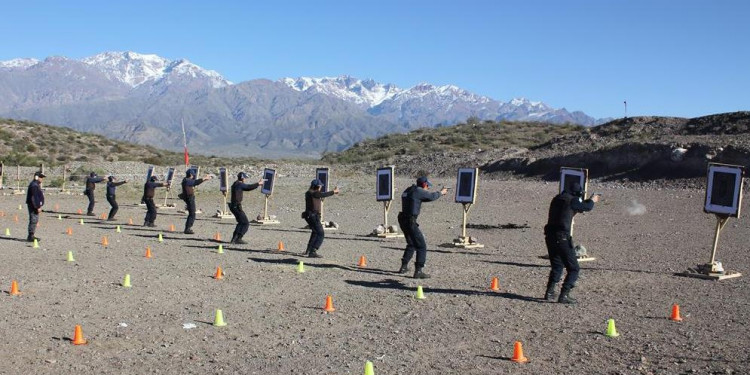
{"x":92,"y":174}
{"x":316,"y":182}
{"x":39,"y":174}
{"x":190,"y":173}
{"x":575,"y":189}
{"x":423,"y":180}
{"x":241,"y":176}
{"x":111,"y":178}
{"x":154,"y":178}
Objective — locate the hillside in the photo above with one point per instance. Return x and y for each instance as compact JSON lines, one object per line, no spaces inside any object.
{"x":29,"y":143}
{"x":637,"y":149}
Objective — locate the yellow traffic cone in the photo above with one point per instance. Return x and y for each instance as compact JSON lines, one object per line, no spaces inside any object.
{"x":36,"y":243}
{"x":219,"y":319}
{"x":118,"y":230}
{"x":70,"y":257}
{"x":369,"y":369}
{"x":81,"y":221}
{"x":7,"y":232}
{"x":59,"y":217}
{"x":611,"y":330}
{"x":221,"y":249}
{"x":420,"y":293}
{"x":161,"y":239}
{"x":301,"y":267}
{"x":126,"y":281}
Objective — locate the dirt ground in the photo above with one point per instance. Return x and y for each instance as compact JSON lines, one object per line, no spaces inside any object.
{"x":275,"y":322}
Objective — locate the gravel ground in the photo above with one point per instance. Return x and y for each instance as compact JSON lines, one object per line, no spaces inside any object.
{"x":275,"y":322}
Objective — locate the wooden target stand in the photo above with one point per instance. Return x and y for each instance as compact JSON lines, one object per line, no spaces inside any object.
{"x":464,"y":241}
{"x":266,"y":220}
{"x":581,"y":258}
{"x":17,"y":190}
{"x":167,"y":195}
{"x":388,"y":232}
{"x":711,"y":271}
{"x":326,"y":225}
{"x":223,"y":213}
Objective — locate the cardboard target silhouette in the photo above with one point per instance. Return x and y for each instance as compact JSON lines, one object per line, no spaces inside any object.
{"x":466,"y":185}
{"x":323,"y":174}
{"x":223,"y":213}
{"x":569,"y":176}
{"x":223,"y":180}
{"x":384,"y":184}
{"x":270,"y":176}
{"x":723,"y":192}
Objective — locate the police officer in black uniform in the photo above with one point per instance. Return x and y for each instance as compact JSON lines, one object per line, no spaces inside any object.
{"x":411,"y":204}
{"x":313,"y":198}
{"x":91,"y":182}
{"x":111,"y":187}
{"x":235,"y":205}
{"x":148,"y":197}
{"x":34,"y":203}
{"x":559,"y":242}
{"x":188,"y":195}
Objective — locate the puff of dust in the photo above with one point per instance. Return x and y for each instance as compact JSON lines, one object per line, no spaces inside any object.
{"x":635,"y":208}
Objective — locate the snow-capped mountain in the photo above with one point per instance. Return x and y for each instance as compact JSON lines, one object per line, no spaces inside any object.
{"x":21,"y":63}
{"x":367,"y":93}
{"x":143,"y":97}
{"x":135,"y":69}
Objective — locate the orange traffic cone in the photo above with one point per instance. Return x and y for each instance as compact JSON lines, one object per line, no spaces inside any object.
{"x":494,"y":285}
{"x":518,"y":353}
{"x":130,"y":221}
{"x":14,"y":288}
{"x":57,"y":207}
{"x":280,"y":247}
{"x":105,"y":241}
{"x":148,"y":252}
{"x":78,"y":336}
{"x":171,"y":227}
{"x":219,"y":274}
{"x":15,"y":218}
{"x":362,"y":262}
{"x":217,"y":236}
{"x":80,"y":212}
{"x":69,"y":232}
{"x":103,"y":216}
{"x":676,"y":313}
{"x":329,"y":305}
{"x":2,"y":213}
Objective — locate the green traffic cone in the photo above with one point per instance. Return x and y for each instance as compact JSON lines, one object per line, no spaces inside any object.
{"x":221,"y":249}
{"x":420,"y":292}
{"x":161,"y":239}
{"x":59,"y":217}
{"x":7,"y":232}
{"x":611,"y":330}
{"x":126,"y":281}
{"x":118,"y":230}
{"x":301,"y":267}
{"x":369,"y":369}
{"x":70,"y":257}
{"x":20,"y":207}
{"x":81,"y":221}
{"x":36,"y":244}
{"x":219,"y":319}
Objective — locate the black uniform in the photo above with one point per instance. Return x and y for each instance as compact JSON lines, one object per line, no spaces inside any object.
{"x":312,"y":217}
{"x":188,"y":195}
{"x":34,"y":203}
{"x":559,"y":242}
{"x":411,"y":204}
{"x":148,"y":198}
{"x":112,"y":199}
{"x":91,"y":182}
{"x":235,"y":205}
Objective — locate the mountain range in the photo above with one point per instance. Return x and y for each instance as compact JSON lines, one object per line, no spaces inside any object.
{"x":143,"y":98}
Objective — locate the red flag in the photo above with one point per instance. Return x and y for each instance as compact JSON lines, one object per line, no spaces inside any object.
{"x":184,"y":142}
{"x":187,"y":157}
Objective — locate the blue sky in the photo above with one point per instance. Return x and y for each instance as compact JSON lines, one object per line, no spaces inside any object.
{"x":675,"y":58}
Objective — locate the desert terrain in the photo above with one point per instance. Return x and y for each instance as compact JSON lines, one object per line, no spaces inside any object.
{"x":640,"y":237}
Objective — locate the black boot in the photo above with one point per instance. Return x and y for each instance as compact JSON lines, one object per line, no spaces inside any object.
{"x":234,"y":238}
{"x":565,"y":296}
{"x":549,"y":295}
{"x":31,"y":238}
{"x":419,"y":274}
{"x":239,"y":241}
{"x":189,"y":231}
{"x":314,"y":254}
{"x":404,"y":268}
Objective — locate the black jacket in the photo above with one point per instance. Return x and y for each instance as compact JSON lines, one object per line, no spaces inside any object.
{"x":312,"y":200}
{"x":562,"y":209}
{"x":189,"y":184}
{"x":111,"y":187}
{"x":412,"y":198}
{"x":149,"y":187}
{"x":35,"y":195}
{"x":92,"y":181}
{"x":238,"y":187}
